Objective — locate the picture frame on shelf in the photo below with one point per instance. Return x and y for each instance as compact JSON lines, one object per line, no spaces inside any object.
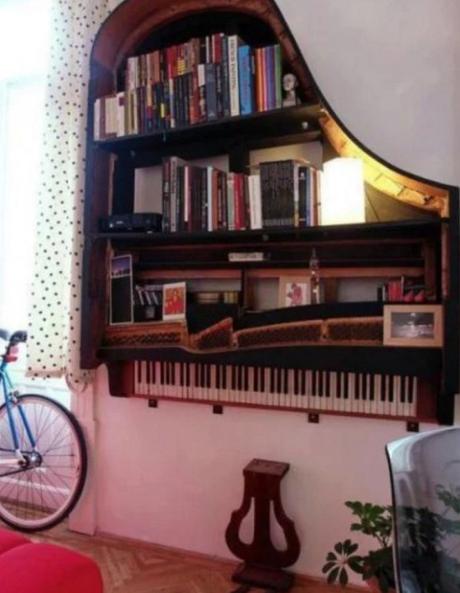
{"x":174,"y":301}
{"x":121,"y":290}
{"x":413,"y":325}
{"x":294,"y":291}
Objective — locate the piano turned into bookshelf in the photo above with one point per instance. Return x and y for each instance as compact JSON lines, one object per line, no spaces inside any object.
{"x":226,"y":260}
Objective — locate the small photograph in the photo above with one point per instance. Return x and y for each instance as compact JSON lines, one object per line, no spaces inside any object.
{"x":174,"y":301}
{"x":294,"y":291}
{"x":413,"y":325}
{"x":121,"y":265}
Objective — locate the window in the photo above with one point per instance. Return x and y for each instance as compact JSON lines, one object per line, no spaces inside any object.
{"x":22,"y":96}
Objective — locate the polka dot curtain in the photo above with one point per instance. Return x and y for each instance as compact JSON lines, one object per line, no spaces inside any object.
{"x":54,"y":322}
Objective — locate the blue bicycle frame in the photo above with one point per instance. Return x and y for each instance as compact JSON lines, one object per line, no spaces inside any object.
{"x":11,"y":399}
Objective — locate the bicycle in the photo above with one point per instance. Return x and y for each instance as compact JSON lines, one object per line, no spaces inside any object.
{"x":43,"y":459}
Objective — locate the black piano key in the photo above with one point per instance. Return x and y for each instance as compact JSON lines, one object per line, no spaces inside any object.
{"x":139,"y":371}
{"x":410,"y":390}
{"x":402,"y":396}
{"x":390,"y":394}
{"x":162,"y":373}
{"x":197,"y":375}
{"x":263,"y":387}
{"x":148,"y":365}
{"x":286,"y":381}
{"x":339,"y":390}
{"x":319,"y":383}
{"x":364,"y":386}
{"x":345,"y":385}
{"x":271,"y":387}
{"x":240,"y":378}
{"x":256,"y":379}
{"x":233,"y":374}
{"x":327,"y":383}
{"x":279,"y":381}
{"x":303,"y":382}
{"x":296,"y":381}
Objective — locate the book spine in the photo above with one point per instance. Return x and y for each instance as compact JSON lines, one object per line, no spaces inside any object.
{"x":246,"y":202}
{"x":204,"y":192}
{"x":211,"y":91}
{"x":264,"y":79}
{"x":187,"y":201}
{"x":245,"y":79}
{"x":180,"y":198}
{"x":231,"y":201}
{"x":173,"y":193}
{"x":219,"y":90}
{"x":166,"y":194}
{"x":270,"y":68}
{"x":259,"y":79}
{"x":295,"y":188}
{"x":209,"y":198}
{"x":233,"y":75}
{"x":202,"y":92}
{"x":302,"y":196}
{"x":278,"y":78}
{"x":225,"y":77}
{"x":224,"y":201}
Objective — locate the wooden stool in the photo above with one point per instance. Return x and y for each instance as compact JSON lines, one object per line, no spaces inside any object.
{"x":263,"y":563}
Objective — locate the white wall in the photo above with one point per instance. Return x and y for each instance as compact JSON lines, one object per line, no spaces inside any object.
{"x":173,"y":475}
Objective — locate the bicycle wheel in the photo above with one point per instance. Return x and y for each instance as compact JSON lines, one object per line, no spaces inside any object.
{"x":44,"y":491}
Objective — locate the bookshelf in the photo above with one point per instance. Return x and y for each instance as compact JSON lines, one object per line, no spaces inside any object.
{"x":399,"y":245}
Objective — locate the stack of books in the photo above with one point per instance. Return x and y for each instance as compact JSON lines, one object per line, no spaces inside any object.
{"x":283,"y":194}
{"x":201,"y":80}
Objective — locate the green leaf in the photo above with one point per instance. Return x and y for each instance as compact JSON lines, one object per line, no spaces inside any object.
{"x":331,"y":557}
{"x":338,"y":548}
{"x":343,"y":579}
{"x":352,"y":549}
{"x":333,"y":575}
{"x":327,"y":567}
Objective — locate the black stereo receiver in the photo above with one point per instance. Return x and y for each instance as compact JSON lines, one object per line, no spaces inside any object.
{"x":147,"y":222}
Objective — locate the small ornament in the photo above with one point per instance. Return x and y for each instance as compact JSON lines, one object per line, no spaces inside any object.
{"x":290,"y":84}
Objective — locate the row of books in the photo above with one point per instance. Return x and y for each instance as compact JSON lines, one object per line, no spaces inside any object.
{"x":279,"y":194}
{"x":202,"y":80}
{"x":403,"y":290}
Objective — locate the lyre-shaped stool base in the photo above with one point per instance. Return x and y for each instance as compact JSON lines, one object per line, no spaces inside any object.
{"x":272,"y":579}
{"x":263,"y":563}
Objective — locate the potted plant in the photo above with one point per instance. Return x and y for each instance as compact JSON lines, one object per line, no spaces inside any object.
{"x":376,"y":567}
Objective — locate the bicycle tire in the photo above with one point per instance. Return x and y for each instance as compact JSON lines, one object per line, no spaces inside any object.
{"x":20,"y":513}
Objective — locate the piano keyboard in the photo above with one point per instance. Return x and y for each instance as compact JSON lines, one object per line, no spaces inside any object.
{"x":312,"y":390}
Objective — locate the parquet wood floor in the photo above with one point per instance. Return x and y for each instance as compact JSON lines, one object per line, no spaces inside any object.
{"x":136,"y":567}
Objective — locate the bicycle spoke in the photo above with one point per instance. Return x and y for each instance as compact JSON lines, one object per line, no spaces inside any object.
{"x":43,"y":491}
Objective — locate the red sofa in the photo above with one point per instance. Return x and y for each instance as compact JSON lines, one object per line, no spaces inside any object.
{"x":44,"y":568}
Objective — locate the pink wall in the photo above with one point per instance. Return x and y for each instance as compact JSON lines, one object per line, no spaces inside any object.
{"x":173,"y":475}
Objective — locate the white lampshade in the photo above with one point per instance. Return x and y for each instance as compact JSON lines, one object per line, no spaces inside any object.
{"x":342,"y":192}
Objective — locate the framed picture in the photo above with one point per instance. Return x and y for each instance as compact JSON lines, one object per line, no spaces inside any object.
{"x":174,"y":301}
{"x":413,"y":325}
{"x":294,"y":291}
{"x":121,"y":289}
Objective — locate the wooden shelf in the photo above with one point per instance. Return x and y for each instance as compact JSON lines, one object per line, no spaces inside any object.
{"x":422,"y":362}
{"x":406,"y":230}
{"x":301,"y":119}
